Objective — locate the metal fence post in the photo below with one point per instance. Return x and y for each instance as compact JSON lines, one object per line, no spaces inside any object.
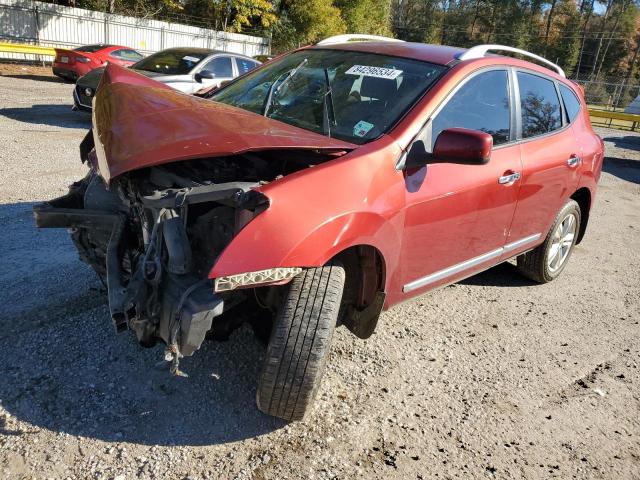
{"x":36,"y":19}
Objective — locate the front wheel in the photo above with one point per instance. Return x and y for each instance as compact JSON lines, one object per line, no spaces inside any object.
{"x":545,"y":262}
{"x":300,"y":342}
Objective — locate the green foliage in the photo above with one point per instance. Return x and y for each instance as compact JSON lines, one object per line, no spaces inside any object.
{"x":309,"y":20}
{"x":366,"y":16}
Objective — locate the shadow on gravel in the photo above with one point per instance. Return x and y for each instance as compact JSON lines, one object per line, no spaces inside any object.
{"x":502,"y":275}
{"x":622,"y":168}
{"x":64,"y":369}
{"x":37,"y":78}
{"x":628,"y":142}
{"x":53,"y":115}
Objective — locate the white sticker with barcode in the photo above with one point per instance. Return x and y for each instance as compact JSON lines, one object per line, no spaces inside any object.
{"x":378,"y":72}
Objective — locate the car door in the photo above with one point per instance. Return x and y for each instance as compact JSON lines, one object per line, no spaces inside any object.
{"x":550,"y":155}
{"x":457,"y":216}
{"x":219,"y":69}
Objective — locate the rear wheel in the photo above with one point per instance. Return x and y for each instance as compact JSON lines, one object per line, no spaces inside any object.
{"x":300,"y":342}
{"x":545,"y":262}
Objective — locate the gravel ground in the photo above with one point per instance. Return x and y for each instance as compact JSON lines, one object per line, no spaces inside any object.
{"x":491,"y":377}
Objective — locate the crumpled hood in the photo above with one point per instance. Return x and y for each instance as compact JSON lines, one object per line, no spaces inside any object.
{"x":139,"y":123}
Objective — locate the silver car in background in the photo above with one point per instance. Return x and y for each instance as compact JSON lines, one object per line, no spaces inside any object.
{"x":185,"y":69}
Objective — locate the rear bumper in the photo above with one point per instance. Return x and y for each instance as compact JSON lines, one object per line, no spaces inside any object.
{"x":63,"y":72}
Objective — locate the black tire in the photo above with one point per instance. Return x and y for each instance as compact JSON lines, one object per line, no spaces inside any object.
{"x":534,"y":264}
{"x":300,"y":342}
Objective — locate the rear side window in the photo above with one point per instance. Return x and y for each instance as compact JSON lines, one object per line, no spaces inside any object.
{"x":245,"y":65}
{"x":571,"y":102}
{"x":220,"y":66}
{"x":91,"y":48}
{"x":481,"y":104}
{"x":540,"y":106}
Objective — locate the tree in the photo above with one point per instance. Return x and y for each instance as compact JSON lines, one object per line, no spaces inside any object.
{"x":366,"y":16}
{"x":306,"y":21}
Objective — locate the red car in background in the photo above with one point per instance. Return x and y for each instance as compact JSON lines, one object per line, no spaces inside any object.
{"x":72,"y":64}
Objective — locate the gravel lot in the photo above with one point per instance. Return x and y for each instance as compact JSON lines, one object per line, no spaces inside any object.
{"x":492,"y":377}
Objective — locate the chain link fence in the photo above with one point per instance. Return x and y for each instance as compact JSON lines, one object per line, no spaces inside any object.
{"x":609,"y":94}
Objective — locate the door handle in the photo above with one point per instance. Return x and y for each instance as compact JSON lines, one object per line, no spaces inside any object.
{"x":509,"y":179}
{"x":573,"y":161}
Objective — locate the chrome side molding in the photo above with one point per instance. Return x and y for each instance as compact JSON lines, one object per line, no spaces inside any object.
{"x":468,"y":264}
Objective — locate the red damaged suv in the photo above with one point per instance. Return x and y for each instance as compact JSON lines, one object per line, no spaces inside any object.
{"x":323,"y":188}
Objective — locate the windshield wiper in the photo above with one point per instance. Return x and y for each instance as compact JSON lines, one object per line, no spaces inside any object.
{"x":328,"y":109}
{"x":275,"y":88}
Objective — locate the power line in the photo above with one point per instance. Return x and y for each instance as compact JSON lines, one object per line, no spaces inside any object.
{"x":587,"y":36}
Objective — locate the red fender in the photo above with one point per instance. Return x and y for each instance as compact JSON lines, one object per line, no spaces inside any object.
{"x":355,"y":202}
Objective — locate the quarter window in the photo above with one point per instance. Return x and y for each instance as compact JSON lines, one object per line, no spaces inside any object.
{"x":539,"y":104}
{"x":245,"y":65}
{"x":220,"y":66}
{"x":571,"y":102}
{"x":481,"y":104}
{"x":127,"y":54}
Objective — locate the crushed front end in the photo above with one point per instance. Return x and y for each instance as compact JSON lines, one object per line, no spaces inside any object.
{"x":152,"y":236}
{"x":172,"y":180}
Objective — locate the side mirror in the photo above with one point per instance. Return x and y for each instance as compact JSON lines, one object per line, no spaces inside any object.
{"x":204,"y":74}
{"x":463,"y":146}
{"x":453,"y":145}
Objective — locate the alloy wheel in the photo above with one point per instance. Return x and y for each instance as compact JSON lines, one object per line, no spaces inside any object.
{"x":562,"y":240}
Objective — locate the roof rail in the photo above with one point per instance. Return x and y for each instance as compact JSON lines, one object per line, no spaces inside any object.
{"x":356,"y":37}
{"x":480,"y":51}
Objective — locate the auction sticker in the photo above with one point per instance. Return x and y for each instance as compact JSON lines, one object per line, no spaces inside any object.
{"x":378,"y":72}
{"x":361,"y":128}
{"x":190,"y":59}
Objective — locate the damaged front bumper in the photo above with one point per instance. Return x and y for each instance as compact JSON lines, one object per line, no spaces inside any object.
{"x":156,"y":290}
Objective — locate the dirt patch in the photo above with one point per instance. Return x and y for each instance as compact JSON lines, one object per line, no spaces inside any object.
{"x":38,"y":73}
{"x":25,"y":69}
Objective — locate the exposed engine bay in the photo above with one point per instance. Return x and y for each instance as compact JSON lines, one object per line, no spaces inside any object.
{"x":154,"y":234}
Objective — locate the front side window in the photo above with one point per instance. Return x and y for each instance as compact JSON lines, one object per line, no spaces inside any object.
{"x":353,"y":96}
{"x":220,"y":67}
{"x":571,"y":102}
{"x":539,"y":104}
{"x":480,"y":104}
{"x":175,"y":61}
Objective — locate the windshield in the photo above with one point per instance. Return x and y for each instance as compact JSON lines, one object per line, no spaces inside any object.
{"x":352,"y":96}
{"x":172,"y":62}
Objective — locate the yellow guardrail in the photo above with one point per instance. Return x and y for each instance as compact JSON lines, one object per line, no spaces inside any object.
{"x":609,"y":116}
{"x":27,"y":48}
